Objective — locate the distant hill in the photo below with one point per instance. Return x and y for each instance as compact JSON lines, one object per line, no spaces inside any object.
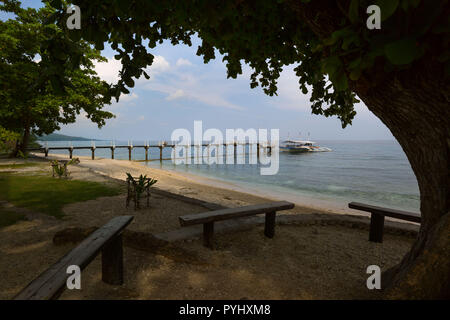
{"x":61,"y":137}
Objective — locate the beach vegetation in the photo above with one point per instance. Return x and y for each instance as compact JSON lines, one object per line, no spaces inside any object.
{"x":60,"y":168}
{"x":137,"y":187}
{"x":7,"y":140}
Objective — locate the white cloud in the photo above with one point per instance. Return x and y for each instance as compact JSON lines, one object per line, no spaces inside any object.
{"x":160,"y":64}
{"x":183,"y":62}
{"x":290,"y":97}
{"x":128,"y":97}
{"x":204,"y":87}
{"x":109,"y":71}
{"x":176,"y":95}
{"x":201,"y":92}
{"x":167,"y":79}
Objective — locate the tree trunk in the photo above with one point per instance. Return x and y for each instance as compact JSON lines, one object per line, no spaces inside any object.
{"x":25,"y":140}
{"x":22,"y":144}
{"x":415,"y":105}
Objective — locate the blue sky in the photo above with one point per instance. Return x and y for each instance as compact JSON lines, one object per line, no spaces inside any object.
{"x":183,"y":89}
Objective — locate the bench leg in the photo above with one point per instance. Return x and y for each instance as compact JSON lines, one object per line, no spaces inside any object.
{"x":112,"y":261}
{"x":269,"y":228}
{"x":376,"y":227}
{"x":208,"y":232}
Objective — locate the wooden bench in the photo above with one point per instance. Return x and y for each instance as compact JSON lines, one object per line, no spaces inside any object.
{"x":377,"y":218}
{"x":108,"y":239}
{"x":208,"y":218}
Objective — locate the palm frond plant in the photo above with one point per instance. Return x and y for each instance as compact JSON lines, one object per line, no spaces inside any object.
{"x":137,"y":187}
{"x":74,"y":161}
{"x":60,"y":168}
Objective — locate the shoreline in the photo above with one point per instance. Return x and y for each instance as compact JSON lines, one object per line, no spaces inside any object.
{"x":300,"y":200}
{"x":206,"y":188}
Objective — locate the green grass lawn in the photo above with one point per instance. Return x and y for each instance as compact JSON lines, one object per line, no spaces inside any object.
{"x":20,"y":165}
{"x":48,"y":195}
{"x":8,"y":218}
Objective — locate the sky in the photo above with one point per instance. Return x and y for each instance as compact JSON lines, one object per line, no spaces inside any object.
{"x":183,"y":89}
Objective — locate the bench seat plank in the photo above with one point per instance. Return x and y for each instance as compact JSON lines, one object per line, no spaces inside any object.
{"x":393,"y":213}
{"x":51,"y":282}
{"x":231,"y":213}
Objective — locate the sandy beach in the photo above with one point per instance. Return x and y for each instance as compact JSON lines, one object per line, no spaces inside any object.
{"x":316,"y":253}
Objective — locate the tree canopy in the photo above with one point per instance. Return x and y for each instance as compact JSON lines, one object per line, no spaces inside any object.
{"x":32,"y":101}
{"x":269,"y":35}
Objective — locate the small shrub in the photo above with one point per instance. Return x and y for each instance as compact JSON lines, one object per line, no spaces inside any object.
{"x":138,"y":187}
{"x":22,"y":155}
{"x":61,"y":168}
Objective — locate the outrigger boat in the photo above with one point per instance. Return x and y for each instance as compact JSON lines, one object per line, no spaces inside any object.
{"x":299,"y":146}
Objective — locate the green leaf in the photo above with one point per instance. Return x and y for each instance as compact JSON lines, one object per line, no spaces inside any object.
{"x":56,"y":4}
{"x":355,"y":63}
{"x":387,"y":7}
{"x":355,"y":74}
{"x":331,"y":64}
{"x":402,"y":51}
{"x":340,"y":81}
{"x":353,"y":13}
{"x":129,"y":82}
{"x":56,"y":85}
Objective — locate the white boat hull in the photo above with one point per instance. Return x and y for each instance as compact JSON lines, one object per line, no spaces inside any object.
{"x":304,"y":149}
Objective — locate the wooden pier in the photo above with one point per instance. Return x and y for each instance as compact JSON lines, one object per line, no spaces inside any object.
{"x":70,"y":149}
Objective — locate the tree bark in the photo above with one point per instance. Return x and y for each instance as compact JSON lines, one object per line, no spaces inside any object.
{"x":25,"y":140}
{"x":415,"y":105}
{"x":23,"y":144}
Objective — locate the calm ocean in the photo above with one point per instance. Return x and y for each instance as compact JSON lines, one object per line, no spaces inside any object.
{"x":374,"y":172}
